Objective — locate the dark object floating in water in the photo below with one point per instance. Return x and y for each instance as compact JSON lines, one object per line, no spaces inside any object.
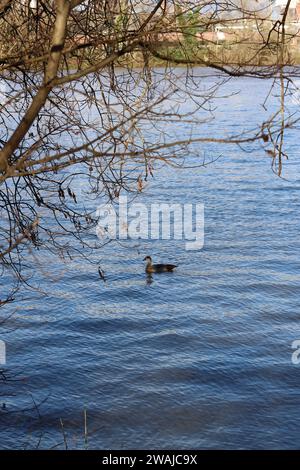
{"x":101,"y":274}
{"x":158,"y":268}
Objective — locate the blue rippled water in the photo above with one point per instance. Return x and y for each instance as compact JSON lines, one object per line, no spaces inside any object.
{"x":200,"y":358}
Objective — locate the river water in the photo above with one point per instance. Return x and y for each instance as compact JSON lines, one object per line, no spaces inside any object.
{"x":201,"y":358}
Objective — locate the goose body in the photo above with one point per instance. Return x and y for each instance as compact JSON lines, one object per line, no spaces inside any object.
{"x":158,"y":268}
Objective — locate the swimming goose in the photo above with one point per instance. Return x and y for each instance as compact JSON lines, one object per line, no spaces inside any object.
{"x":158,"y":268}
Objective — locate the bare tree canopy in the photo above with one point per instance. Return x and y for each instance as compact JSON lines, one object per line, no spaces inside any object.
{"x":87,"y":87}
